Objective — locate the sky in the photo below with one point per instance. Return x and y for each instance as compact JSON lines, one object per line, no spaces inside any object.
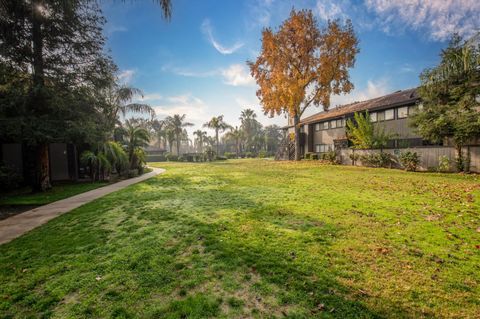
{"x":195,"y":64}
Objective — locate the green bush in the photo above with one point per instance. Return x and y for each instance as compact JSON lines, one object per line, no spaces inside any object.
{"x":330,"y":157}
{"x":354,"y":157}
{"x":172,"y":158}
{"x":230,"y":155}
{"x":132,"y":173}
{"x":444,"y":164}
{"x":9,"y":178}
{"x":381,"y":159}
{"x":262,"y":154}
{"x":308,"y":155}
{"x":249,"y":155}
{"x":220,"y":158}
{"x":209,"y":154}
{"x":409,"y":160}
{"x":314,"y":156}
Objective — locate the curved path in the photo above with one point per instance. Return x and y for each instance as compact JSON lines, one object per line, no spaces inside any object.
{"x":18,"y":225}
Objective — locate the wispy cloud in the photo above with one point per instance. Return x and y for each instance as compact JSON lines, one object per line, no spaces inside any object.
{"x":440,"y":18}
{"x":207,"y":30}
{"x":150,"y":97}
{"x":407,"y":68}
{"x":126,"y":76}
{"x":374,"y":88}
{"x":235,"y":74}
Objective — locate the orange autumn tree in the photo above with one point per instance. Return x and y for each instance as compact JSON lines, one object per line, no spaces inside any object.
{"x":301,"y":65}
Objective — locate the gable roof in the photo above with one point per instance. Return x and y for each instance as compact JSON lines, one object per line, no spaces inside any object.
{"x":394,"y":99}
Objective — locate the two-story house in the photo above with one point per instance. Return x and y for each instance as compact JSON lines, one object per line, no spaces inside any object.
{"x":326,"y":131}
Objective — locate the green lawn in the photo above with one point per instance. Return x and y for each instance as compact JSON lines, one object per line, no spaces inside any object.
{"x":60,"y":191}
{"x":256,"y":238}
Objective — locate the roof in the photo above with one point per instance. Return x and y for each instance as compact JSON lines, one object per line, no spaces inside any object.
{"x":398,"y":98}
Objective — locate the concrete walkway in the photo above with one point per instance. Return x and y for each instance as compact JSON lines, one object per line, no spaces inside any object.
{"x":18,"y":225}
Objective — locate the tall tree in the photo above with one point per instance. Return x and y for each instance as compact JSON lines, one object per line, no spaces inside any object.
{"x":200,"y":140}
{"x":250,"y":127}
{"x":60,"y":46}
{"x":236,"y":136}
{"x":219,"y":125}
{"x":450,"y":94}
{"x":177,"y":124}
{"x":301,"y":65}
{"x":273,"y":136}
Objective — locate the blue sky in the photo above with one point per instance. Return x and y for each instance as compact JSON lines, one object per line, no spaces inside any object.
{"x":195,"y":64}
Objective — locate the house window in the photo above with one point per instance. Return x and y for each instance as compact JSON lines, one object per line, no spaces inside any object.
{"x":333,"y":124}
{"x":340,"y":123}
{"x":317,"y":127}
{"x":380,"y":116}
{"x":324,"y":126}
{"x":373,"y":117}
{"x":402,"y":112}
{"x":389,"y":114}
{"x":317,"y":148}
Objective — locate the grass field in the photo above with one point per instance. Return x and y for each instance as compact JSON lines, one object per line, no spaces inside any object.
{"x":256,"y":238}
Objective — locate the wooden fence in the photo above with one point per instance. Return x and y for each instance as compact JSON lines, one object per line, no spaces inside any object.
{"x":429,"y":156}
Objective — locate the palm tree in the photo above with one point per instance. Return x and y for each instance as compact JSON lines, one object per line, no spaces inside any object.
{"x":235,"y":135}
{"x":200,"y":140}
{"x":117,"y":98}
{"x":134,"y":138}
{"x":249,"y":125}
{"x":177,"y":124}
{"x":218,"y":124}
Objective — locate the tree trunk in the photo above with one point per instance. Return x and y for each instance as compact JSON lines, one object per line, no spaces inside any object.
{"x":178,"y":146}
{"x":216,"y":138}
{"x":42,"y":170}
{"x":41,"y":182}
{"x":296,"y":121}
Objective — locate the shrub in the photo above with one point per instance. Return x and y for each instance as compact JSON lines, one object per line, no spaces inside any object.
{"x":354,"y":157}
{"x":9,"y":178}
{"x":249,"y":155}
{"x":230,"y":155}
{"x":220,"y":158}
{"x":209,"y":154}
{"x":314,"y":156}
{"x":262,"y":154}
{"x":330,"y":157}
{"x":132,"y":173}
{"x":409,"y":160}
{"x":381,"y":159}
{"x":308,"y":156}
{"x":444,"y":164}
{"x":172,"y":157}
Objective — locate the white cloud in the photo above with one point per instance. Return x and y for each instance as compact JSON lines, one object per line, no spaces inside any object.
{"x":193,"y":107}
{"x":440,"y":18}
{"x":126,"y":76}
{"x":237,"y":75}
{"x":207,"y":30}
{"x":112,"y":28}
{"x":329,"y":10}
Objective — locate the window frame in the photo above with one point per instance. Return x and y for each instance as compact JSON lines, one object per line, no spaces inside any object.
{"x":333,"y":124}
{"x":393,"y":114}
{"x":406,"y":112}
{"x":372,"y":116}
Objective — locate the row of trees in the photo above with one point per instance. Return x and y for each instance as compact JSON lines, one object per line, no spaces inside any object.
{"x":250,"y":137}
{"x":58,"y":84}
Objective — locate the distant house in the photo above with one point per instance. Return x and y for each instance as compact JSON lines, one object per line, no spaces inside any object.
{"x":326,"y":131}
